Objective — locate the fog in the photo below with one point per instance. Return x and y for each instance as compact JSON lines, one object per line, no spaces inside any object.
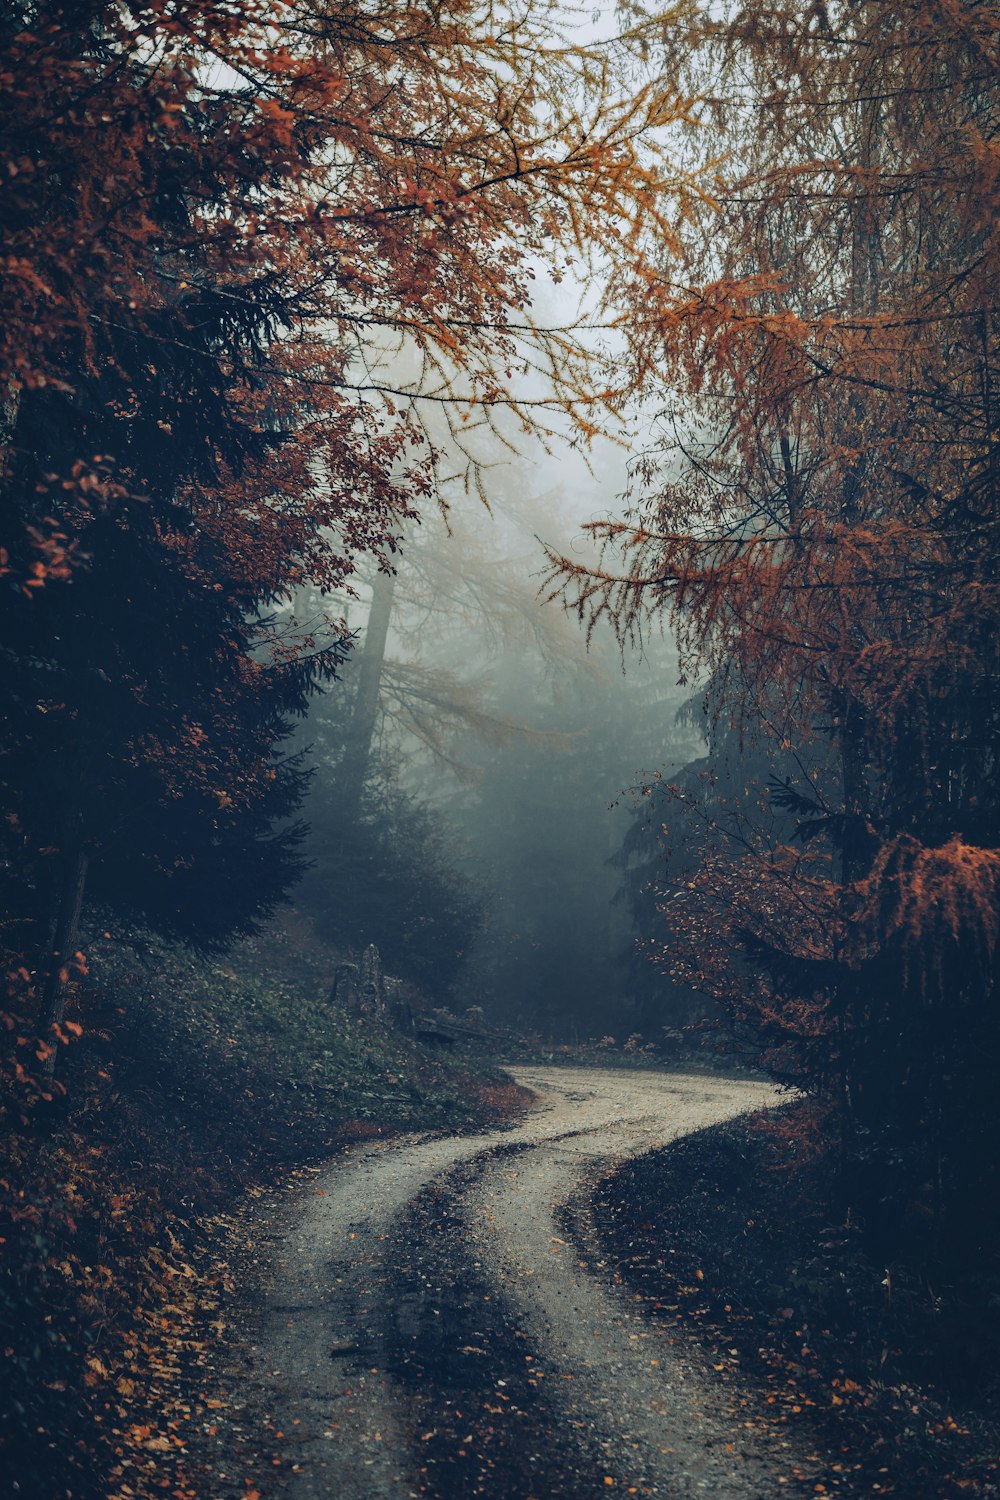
{"x":504,"y":766}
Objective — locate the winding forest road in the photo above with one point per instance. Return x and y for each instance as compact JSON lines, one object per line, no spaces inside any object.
{"x":431,"y":1327}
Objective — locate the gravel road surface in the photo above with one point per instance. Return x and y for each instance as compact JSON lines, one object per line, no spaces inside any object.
{"x":430,"y":1327}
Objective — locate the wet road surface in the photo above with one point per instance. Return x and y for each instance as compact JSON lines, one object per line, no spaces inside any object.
{"x":430,"y":1326}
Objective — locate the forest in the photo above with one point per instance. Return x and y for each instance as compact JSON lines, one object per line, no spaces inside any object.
{"x":500,"y":634}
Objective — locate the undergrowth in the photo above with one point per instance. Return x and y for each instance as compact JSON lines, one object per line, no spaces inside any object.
{"x":193,"y":1082}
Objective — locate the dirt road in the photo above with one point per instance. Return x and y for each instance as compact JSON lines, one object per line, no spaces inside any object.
{"x":430,"y":1327}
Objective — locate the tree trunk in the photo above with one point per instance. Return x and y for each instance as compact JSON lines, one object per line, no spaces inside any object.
{"x":63,"y":947}
{"x":361,"y":731}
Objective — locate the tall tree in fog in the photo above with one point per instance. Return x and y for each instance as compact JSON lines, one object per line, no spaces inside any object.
{"x":369,"y":662}
{"x":406,"y":728}
{"x":829,"y":554}
{"x":460,"y":588}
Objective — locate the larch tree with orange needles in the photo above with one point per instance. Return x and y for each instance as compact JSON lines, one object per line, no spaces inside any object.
{"x":819,"y":522}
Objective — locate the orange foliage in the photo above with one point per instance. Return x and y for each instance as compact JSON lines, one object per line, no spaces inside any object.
{"x":942,"y":907}
{"x":817,"y":519}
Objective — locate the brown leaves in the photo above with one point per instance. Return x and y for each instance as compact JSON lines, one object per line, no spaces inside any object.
{"x":351,"y":208}
{"x":818,"y":526}
{"x":939,"y":908}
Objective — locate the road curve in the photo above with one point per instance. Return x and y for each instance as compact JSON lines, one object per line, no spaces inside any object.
{"x":430,"y":1329}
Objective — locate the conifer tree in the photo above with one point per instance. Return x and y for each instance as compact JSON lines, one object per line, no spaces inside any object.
{"x":821,"y":527}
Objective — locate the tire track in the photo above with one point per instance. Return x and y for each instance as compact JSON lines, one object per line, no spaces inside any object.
{"x":430,"y":1330}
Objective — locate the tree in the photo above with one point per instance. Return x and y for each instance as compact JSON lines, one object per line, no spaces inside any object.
{"x":215,"y":222}
{"x":827,"y":550}
{"x":386,"y":872}
{"x":682,"y":815}
{"x":414,"y":703}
